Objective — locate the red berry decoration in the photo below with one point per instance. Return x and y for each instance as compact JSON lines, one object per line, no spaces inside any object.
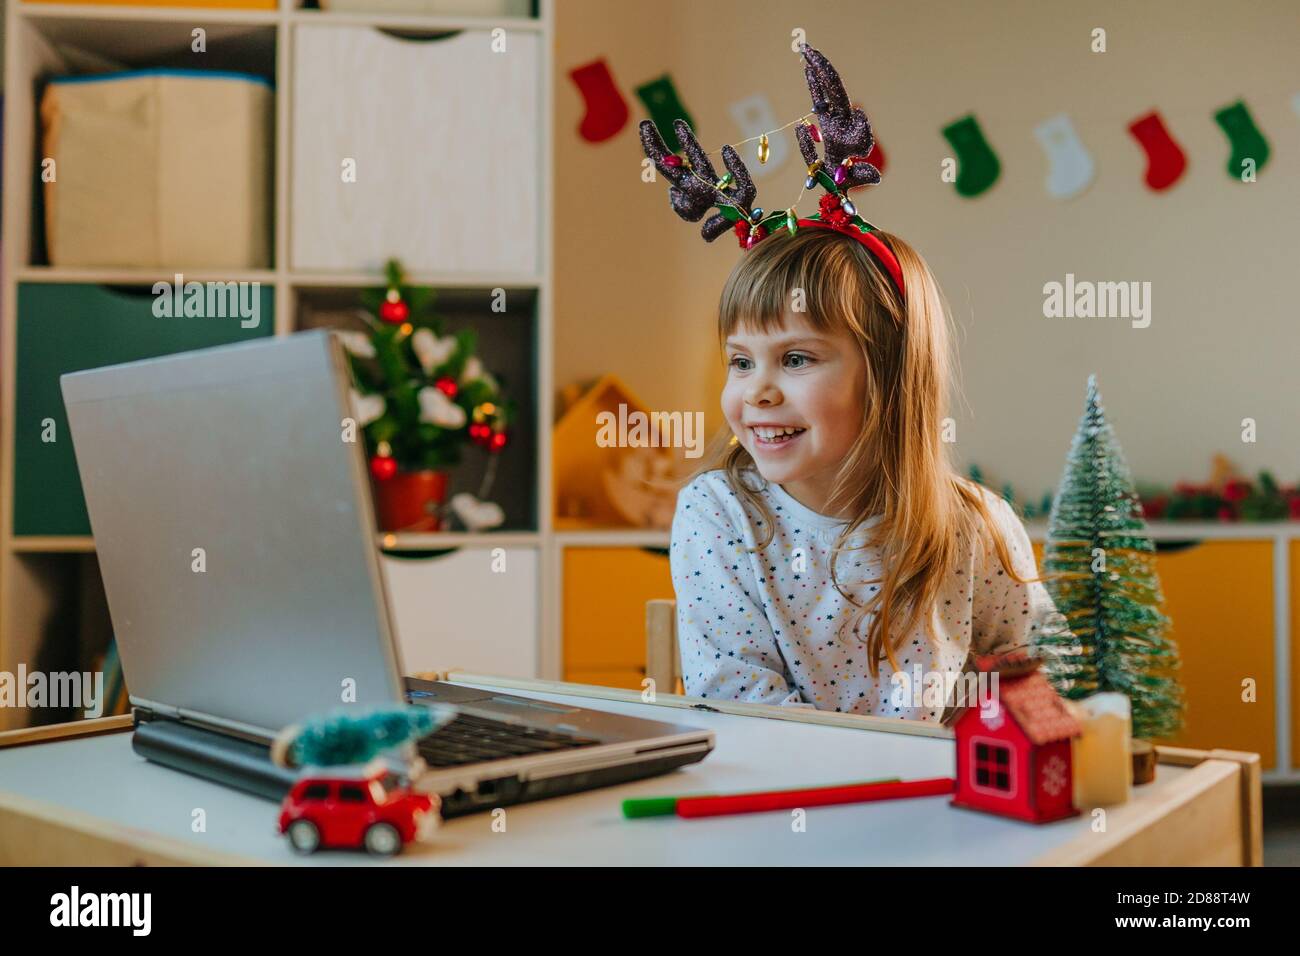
{"x":383,"y":467}
{"x":394,"y":310}
{"x":832,"y":210}
{"x":447,"y":386}
{"x":1236,"y":490}
{"x":497,"y":441}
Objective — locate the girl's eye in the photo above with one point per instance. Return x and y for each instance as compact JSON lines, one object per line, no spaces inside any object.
{"x":740,"y":363}
{"x":798,"y":360}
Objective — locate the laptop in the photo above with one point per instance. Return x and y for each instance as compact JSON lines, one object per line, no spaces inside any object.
{"x":236,"y":540}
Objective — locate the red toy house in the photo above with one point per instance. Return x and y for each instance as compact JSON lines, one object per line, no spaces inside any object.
{"x":1013,"y":759}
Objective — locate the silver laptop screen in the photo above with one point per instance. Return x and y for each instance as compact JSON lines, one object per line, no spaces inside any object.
{"x":234,"y":531}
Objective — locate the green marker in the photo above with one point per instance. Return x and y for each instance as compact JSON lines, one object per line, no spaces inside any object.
{"x":638,"y":807}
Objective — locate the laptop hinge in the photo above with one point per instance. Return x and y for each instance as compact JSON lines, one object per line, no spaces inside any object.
{"x":148,"y":709}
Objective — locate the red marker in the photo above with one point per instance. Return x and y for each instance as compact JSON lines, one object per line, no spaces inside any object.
{"x":813,"y":797}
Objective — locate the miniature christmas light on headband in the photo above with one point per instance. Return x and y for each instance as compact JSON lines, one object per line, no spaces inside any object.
{"x":845,"y":135}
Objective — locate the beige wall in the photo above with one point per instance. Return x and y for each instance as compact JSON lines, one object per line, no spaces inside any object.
{"x":637,"y":288}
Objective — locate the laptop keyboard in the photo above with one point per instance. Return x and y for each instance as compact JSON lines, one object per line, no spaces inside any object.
{"x":470,"y":739}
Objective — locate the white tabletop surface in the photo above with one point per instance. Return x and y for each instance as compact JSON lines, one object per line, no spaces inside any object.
{"x":103,"y":777}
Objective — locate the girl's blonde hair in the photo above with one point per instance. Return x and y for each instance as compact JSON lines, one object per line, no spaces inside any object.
{"x":898,"y":466}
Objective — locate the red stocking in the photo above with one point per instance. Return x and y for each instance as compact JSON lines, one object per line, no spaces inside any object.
{"x":1165,"y":158}
{"x":606,"y":108}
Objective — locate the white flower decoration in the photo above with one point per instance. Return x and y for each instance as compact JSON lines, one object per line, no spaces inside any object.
{"x":358,"y":343}
{"x":431,"y":350}
{"x":367,"y":408}
{"x":476,"y":515}
{"x":474,"y":371}
{"x":437,"y":409}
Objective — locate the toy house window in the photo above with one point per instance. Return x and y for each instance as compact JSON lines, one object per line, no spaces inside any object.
{"x":993,"y":766}
{"x":352,"y":794}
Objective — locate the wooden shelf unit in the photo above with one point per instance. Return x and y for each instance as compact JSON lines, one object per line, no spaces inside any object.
{"x":38,"y":573}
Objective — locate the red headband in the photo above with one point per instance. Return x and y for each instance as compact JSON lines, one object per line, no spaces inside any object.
{"x":874,"y":245}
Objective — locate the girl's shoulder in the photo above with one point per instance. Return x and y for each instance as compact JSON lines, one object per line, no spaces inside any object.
{"x":710,"y":496}
{"x":1007,"y":524}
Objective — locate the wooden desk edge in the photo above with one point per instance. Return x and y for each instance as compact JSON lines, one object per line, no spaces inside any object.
{"x":1136,"y":838}
{"x":1091,"y":848}
{"x":65,"y":731}
{"x":33,"y":833}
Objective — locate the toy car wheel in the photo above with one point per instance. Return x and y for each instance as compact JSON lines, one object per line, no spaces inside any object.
{"x":382,"y":839}
{"x":304,"y":836}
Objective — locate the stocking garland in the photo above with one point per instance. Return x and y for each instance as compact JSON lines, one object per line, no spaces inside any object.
{"x":1166,"y":160}
{"x":607,"y":111}
{"x":1071,"y":165}
{"x":1250,"y":149}
{"x":978,"y":167}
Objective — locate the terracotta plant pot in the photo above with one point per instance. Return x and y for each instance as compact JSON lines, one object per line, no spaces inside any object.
{"x":410,"y":501}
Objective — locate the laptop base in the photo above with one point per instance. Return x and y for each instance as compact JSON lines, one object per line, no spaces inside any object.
{"x":246,"y":765}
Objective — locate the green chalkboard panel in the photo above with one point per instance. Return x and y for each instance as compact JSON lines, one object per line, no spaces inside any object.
{"x":66,"y":328}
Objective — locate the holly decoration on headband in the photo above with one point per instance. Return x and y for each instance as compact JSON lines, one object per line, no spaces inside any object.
{"x":843,"y":132}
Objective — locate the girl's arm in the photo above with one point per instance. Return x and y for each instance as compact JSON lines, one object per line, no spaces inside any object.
{"x":1005,"y":614}
{"x":727,"y":648}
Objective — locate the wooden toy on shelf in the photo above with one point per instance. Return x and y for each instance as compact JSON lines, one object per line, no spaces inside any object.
{"x":613,"y":467}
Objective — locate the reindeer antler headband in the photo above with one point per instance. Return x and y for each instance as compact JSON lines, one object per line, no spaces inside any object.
{"x":846,"y":139}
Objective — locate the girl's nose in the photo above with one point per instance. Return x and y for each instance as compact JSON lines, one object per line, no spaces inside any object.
{"x":762,"y":393}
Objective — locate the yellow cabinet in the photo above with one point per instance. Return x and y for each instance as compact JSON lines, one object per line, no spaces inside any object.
{"x":605,"y":591}
{"x":1294,"y":560}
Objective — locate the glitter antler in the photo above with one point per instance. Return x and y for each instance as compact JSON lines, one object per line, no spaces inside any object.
{"x":845,"y":131}
{"x":696,"y":187}
{"x":846,"y":138}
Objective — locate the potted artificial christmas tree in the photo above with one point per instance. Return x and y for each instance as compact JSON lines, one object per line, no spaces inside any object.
{"x":420,"y":396}
{"x":1101,"y":574}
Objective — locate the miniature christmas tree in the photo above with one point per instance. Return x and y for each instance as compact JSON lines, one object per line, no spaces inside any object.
{"x":1100,"y":564}
{"x":345,"y":736}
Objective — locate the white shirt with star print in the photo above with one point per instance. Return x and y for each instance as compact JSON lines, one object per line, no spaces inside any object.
{"x":762,"y":626}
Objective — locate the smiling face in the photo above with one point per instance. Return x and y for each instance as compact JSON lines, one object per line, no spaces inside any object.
{"x":794,"y":398}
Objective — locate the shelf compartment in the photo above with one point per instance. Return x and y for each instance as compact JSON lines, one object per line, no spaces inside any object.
{"x":508,"y":348}
{"x":60,"y":623}
{"x":99,"y":42}
{"x":67,"y":328}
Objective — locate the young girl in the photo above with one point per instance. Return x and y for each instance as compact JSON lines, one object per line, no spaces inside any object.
{"x":835,"y":546}
{"x":835,"y":560}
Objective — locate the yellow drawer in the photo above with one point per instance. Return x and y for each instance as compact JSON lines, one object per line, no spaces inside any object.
{"x":1295,"y":653}
{"x":605,"y":592}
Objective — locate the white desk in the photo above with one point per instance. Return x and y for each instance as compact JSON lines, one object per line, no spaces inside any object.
{"x":92,"y":800}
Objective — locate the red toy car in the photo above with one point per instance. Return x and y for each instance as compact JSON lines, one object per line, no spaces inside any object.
{"x":370,"y":810}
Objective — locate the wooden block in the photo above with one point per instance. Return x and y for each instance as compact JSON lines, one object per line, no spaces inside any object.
{"x":1144,"y":762}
